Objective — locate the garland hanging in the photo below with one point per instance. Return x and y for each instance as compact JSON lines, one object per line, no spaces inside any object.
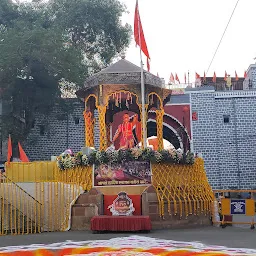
{"x":111,"y":156}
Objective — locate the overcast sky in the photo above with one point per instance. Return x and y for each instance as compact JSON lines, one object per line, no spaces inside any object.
{"x":183,"y":35}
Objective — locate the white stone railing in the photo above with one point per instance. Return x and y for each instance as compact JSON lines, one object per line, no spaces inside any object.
{"x":235,"y":94}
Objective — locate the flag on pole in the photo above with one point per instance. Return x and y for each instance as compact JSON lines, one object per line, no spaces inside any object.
{"x":198,"y":81}
{"x":9,"y":151}
{"x":245,"y":74}
{"x":172,"y":80}
{"x":214,"y":77}
{"x":185,"y":78}
{"x":236,"y":76}
{"x":139,"y":34}
{"x":197,"y":76}
{"x":226,"y":75}
{"x":177,"y":78}
{"x":23,"y":156}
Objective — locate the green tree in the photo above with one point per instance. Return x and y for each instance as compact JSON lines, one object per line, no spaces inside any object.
{"x":45,"y":47}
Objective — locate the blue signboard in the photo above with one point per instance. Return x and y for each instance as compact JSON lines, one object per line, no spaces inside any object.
{"x":237,"y":206}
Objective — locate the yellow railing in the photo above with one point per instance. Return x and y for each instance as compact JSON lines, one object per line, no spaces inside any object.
{"x":81,"y":176}
{"x":39,"y":195}
{"x":36,"y":197}
{"x":31,"y":172}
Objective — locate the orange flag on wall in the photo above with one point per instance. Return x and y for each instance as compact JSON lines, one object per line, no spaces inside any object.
{"x":23,"y":156}
{"x":245,"y":74}
{"x":177,"y":78}
{"x":214,"y":77}
{"x":172,"y":80}
{"x":237,"y":78}
{"x":197,"y":76}
{"x":9,"y":152}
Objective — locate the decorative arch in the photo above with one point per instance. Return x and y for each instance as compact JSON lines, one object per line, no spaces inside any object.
{"x":176,"y":126}
{"x":167,"y":130}
{"x":180,"y":124}
{"x":158,"y":97}
{"x":88,"y":98}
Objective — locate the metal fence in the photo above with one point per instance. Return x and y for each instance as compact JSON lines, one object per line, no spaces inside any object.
{"x":234,"y":207}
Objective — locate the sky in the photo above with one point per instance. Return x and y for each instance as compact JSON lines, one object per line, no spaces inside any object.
{"x":182,"y":36}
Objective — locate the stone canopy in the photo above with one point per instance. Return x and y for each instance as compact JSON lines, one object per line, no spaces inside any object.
{"x":121,"y":72}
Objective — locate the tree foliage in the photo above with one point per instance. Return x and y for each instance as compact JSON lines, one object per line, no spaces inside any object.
{"x":45,"y":46}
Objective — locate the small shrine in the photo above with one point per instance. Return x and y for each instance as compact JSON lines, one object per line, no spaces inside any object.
{"x":115,"y":93}
{"x":131,"y":182}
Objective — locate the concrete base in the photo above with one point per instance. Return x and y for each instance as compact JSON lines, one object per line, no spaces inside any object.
{"x":91,"y":204}
{"x":87,"y":206}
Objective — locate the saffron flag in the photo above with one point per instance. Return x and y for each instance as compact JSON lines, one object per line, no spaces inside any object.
{"x":172,"y":80}
{"x":9,"y":152}
{"x":23,"y":156}
{"x":214,"y":77}
{"x":226,"y":75}
{"x":139,"y":34}
{"x":245,"y":74}
{"x":177,"y":78}
{"x":237,"y":78}
{"x":185,"y":78}
{"x":197,"y":76}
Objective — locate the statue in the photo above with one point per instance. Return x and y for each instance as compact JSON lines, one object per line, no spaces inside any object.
{"x":228,"y":82}
{"x":130,"y":132}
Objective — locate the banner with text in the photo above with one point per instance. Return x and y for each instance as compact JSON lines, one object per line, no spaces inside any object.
{"x":127,"y":173}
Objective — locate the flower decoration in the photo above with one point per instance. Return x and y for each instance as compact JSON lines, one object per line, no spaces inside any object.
{"x":67,"y":161}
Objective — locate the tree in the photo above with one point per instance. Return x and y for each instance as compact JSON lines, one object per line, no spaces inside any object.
{"x":47,"y":46}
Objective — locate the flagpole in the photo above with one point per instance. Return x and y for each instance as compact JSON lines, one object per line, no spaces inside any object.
{"x":143,"y":113}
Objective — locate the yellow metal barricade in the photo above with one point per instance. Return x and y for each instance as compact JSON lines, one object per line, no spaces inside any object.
{"x":231,"y":204}
{"x":36,"y":197}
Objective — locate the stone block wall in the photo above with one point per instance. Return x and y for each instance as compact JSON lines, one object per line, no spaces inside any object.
{"x":237,"y":138}
{"x":204,"y":133}
{"x":55,"y":133}
{"x":85,"y":208}
{"x":225,"y":135}
{"x":251,"y":74}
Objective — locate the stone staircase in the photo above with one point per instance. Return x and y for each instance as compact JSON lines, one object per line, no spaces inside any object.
{"x":87,"y":205}
{"x":20,"y":212}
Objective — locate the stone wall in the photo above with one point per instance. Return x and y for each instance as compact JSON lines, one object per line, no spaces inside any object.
{"x":250,"y":81}
{"x":225,"y":135}
{"x":55,"y":133}
{"x":204,"y":132}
